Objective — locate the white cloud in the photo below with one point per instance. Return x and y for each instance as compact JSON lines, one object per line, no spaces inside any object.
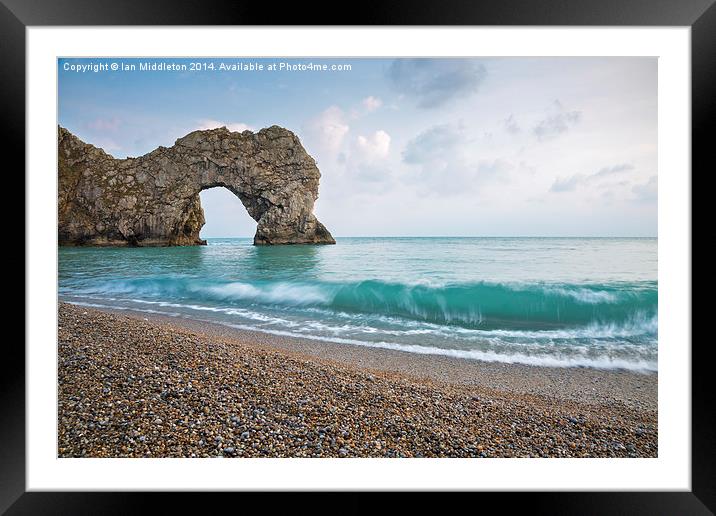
{"x":237,"y":127}
{"x":511,"y":125}
{"x":556,"y":123}
{"x":494,"y":169}
{"x":447,"y":162}
{"x":569,"y":184}
{"x":435,"y":143}
{"x":328,"y":129}
{"x":374,"y":146}
{"x":610,"y":171}
{"x":372,"y":103}
{"x":365,"y":161}
{"x":435,"y":82}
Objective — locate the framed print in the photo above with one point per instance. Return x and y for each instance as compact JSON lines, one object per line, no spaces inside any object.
{"x":444,"y":248}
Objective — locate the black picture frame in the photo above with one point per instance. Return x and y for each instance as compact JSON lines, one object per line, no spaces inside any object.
{"x":700,"y":15}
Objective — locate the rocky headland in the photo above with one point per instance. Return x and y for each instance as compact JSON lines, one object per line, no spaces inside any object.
{"x":153,"y":200}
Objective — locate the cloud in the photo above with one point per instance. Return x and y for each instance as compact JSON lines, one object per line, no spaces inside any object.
{"x":435,"y":82}
{"x":374,"y":146}
{"x":371,"y":103}
{"x":494,"y":169}
{"x":445,"y":166}
{"x":557,"y":123}
{"x":618,"y":184}
{"x":237,"y":127}
{"x":439,"y":154}
{"x":571,"y":183}
{"x":328,"y":129}
{"x":511,"y":125}
{"x":567,"y":184}
{"x":609,"y":171}
{"x":647,"y":191}
{"x":437,"y":142}
{"x":365,"y":162}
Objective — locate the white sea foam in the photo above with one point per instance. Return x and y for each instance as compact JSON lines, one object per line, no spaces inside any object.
{"x":290,"y":293}
{"x":584,"y":295}
{"x":505,"y":352}
{"x":485,"y":356}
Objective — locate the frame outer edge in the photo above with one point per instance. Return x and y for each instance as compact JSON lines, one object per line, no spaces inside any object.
{"x":703,"y":121}
{"x":12,"y":53}
{"x":375,"y":12}
{"x":12,"y":380}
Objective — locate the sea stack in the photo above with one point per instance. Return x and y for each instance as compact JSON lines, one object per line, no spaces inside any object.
{"x":153,"y":200}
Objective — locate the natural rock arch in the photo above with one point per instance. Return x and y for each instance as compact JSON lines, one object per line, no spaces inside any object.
{"x":153,"y":200}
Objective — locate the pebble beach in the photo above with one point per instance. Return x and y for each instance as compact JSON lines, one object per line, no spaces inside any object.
{"x":130,"y":385}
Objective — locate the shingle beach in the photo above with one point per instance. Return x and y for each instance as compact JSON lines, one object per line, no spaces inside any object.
{"x":131,"y":385}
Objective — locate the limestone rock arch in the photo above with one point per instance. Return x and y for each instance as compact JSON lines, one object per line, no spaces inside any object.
{"x":153,"y":200}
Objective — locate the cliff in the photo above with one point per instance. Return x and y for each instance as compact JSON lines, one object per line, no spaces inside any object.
{"x":153,"y":200}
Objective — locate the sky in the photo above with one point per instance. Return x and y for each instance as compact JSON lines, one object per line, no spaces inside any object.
{"x":407,"y":147}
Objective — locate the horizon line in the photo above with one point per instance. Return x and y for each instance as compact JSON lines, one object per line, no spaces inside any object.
{"x":469,"y":236}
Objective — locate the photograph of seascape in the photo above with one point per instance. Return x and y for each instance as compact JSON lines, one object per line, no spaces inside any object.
{"x":359,"y":257}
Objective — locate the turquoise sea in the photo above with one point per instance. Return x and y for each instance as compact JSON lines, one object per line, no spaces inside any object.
{"x":543,"y":301}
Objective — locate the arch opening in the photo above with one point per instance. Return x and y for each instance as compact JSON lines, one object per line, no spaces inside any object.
{"x":225,"y":215}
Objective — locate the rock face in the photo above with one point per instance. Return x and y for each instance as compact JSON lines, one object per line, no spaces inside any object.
{"x":153,"y":200}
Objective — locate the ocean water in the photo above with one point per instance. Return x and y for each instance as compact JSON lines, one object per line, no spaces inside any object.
{"x":588,"y":302}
